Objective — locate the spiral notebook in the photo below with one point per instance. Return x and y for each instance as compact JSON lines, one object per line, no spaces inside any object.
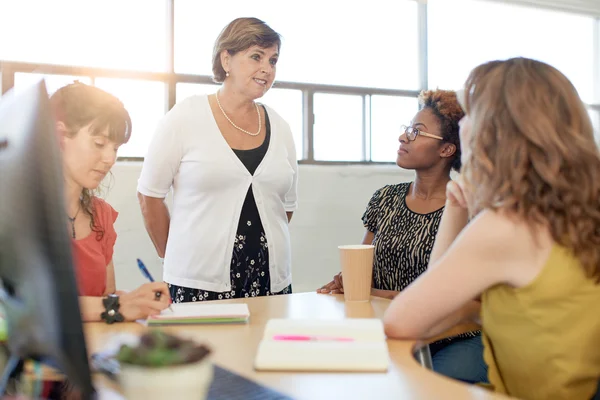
{"x":201,"y":313}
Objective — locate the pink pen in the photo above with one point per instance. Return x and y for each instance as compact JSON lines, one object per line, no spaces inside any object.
{"x":306,"y":338}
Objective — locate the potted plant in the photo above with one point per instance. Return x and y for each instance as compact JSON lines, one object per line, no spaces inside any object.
{"x":163,"y":366}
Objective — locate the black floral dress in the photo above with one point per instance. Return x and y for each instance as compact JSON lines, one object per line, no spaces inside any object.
{"x":250,"y":260}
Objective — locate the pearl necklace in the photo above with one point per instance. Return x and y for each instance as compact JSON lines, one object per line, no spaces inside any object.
{"x":237,"y":127}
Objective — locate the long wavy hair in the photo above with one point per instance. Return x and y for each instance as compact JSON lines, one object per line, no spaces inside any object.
{"x":78,"y":105}
{"x":533,"y":153}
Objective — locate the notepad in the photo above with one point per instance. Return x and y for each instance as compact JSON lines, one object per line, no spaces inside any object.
{"x":323,"y":345}
{"x":201,"y":313}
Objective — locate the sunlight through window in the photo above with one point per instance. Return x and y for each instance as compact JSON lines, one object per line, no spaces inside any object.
{"x":117,"y":34}
{"x":563,"y":40}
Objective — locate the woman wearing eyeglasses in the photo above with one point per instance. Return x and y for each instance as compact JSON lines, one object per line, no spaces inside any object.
{"x":402,"y":220}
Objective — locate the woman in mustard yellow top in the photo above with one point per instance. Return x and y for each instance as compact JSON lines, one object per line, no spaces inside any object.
{"x":528,"y":260}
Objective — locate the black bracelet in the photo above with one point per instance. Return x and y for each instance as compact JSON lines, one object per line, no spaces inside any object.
{"x":112,"y":314}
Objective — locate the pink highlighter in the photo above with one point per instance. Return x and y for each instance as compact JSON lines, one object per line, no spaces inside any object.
{"x":309,"y":338}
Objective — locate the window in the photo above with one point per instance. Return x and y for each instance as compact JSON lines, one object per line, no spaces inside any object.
{"x":465,"y":33}
{"x":101,"y":33}
{"x":288,"y":104}
{"x":388,"y":114}
{"x":145,"y":102}
{"x":332,"y":42}
{"x":53,"y":82}
{"x":185,"y":90}
{"x":338,"y":133}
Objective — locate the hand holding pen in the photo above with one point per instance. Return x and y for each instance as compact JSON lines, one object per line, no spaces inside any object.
{"x":148,"y":276}
{"x":143,"y":301}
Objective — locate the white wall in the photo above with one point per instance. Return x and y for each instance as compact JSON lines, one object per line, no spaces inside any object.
{"x":332,"y":200}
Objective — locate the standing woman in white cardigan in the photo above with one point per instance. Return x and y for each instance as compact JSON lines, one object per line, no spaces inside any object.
{"x":232,"y":166}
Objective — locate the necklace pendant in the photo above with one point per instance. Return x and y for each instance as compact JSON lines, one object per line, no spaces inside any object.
{"x":72,"y":221}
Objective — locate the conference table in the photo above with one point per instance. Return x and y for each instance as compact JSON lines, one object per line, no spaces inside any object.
{"x":234,"y":348}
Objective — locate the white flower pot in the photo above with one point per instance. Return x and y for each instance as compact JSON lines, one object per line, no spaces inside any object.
{"x":188,"y":381}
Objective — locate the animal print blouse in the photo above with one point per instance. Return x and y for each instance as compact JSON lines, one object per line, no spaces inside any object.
{"x":403,"y":239}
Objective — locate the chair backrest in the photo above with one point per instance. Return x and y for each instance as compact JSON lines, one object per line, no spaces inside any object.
{"x":423,"y":355}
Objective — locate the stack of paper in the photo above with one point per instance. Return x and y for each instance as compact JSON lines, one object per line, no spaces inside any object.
{"x":323,"y":345}
{"x":201,"y":313}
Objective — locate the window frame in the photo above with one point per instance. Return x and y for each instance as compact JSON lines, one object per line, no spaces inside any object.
{"x":170,"y":79}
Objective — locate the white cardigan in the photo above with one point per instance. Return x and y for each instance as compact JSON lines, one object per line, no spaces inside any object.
{"x":189,"y":154}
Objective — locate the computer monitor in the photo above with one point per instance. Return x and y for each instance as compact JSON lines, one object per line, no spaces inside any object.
{"x":38,"y":291}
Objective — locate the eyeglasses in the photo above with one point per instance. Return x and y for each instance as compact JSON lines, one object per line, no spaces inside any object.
{"x":412,"y":133}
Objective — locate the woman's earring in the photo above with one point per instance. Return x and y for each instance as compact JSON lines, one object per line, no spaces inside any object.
{"x":226,"y":73}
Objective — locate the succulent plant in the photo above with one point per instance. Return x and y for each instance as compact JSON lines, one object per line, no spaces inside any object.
{"x":159,"y":349}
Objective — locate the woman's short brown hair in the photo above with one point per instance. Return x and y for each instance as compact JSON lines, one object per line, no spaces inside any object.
{"x":447,"y":109}
{"x":533,"y":153}
{"x":239,"y":35}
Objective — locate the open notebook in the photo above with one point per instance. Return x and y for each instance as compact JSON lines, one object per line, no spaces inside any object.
{"x":201,"y":313}
{"x":323,"y":345}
